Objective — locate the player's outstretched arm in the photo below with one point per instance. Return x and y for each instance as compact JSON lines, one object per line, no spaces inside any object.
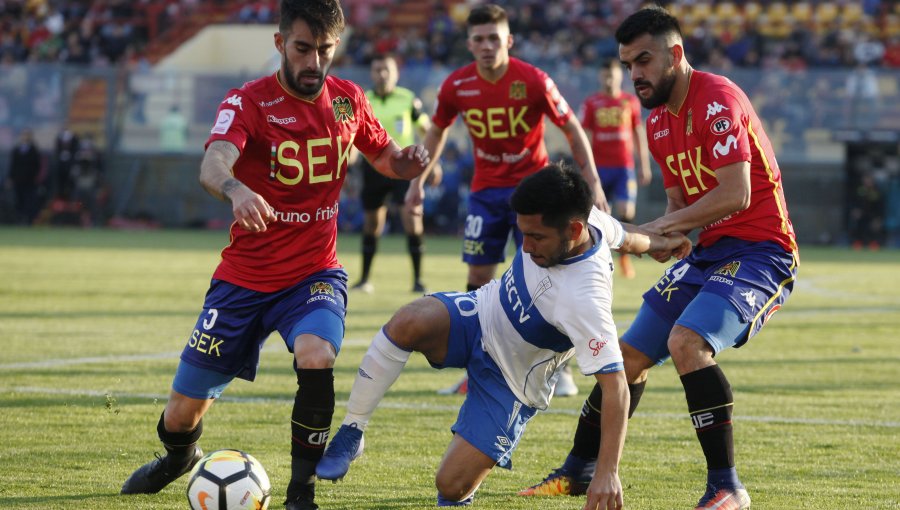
{"x":661,"y":247}
{"x":730,"y":196}
{"x":435,"y":139}
{"x":605,"y":491}
{"x":584,"y":158}
{"x":251,"y":211}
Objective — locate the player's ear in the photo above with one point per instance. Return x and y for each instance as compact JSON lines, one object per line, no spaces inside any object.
{"x":575,"y":228}
{"x":279,"y":42}
{"x":509,"y":41}
{"x":677,"y":53}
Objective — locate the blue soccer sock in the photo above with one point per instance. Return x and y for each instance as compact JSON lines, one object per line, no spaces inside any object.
{"x":579,"y":468}
{"x":724,"y":478}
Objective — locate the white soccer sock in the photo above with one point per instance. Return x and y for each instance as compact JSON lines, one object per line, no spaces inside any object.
{"x":379,"y":369}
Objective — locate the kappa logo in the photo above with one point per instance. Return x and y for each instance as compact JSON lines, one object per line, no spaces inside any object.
{"x":321,"y":288}
{"x":517,"y":90}
{"x":343,"y":110}
{"x":729,"y":269}
{"x":596,"y":346}
{"x":457,"y":83}
{"x":714,"y":108}
{"x":721,"y":149}
{"x":750,"y":298}
{"x":275,"y":120}
{"x":234,"y":100}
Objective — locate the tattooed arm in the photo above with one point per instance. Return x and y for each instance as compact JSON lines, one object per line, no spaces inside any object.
{"x":251,"y":211}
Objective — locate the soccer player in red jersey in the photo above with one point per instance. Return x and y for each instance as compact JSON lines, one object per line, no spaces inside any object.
{"x":721,"y":176}
{"x":278,"y":152}
{"x":503,"y":102}
{"x":612,"y":120}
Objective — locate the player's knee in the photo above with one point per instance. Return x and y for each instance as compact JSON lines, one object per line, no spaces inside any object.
{"x":686,"y":345}
{"x":311,"y":351}
{"x":452,"y":488}
{"x":636,"y":363}
{"x":181,"y":417}
{"x":413,"y":325}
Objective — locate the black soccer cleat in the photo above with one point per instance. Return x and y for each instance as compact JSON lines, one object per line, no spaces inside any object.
{"x":300,"y":503}
{"x":153,"y":476}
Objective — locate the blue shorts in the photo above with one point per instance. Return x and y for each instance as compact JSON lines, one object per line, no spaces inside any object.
{"x":725,"y":292}
{"x":236,"y":321}
{"x":619,"y":184}
{"x":491,"y":418}
{"x":488,"y":224}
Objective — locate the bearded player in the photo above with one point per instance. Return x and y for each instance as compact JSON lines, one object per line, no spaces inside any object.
{"x":720,"y":176}
{"x":278,"y":152}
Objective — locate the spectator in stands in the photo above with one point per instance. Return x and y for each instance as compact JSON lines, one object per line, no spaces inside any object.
{"x":24,"y":177}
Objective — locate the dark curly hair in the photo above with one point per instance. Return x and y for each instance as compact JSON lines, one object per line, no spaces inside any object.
{"x":324,"y":17}
{"x":557,"y":192}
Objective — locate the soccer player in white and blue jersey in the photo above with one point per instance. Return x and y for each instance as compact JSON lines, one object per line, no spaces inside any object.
{"x":513,"y":335}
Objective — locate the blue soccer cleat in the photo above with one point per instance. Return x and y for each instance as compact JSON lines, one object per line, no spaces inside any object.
{"x":344,"y":448}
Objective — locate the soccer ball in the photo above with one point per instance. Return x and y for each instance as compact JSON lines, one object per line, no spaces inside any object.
{"x":228,"y":480}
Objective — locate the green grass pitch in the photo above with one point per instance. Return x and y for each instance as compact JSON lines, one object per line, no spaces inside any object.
{"x":91,"y":323}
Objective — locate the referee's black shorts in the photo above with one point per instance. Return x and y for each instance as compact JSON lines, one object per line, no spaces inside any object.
{"x":377,"y":187}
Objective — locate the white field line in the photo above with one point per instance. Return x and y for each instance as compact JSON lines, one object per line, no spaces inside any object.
{"x":389,"y":404}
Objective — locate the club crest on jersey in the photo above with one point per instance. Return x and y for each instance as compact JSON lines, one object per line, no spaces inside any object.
{"x":517,"y":90}
{"x":729,"y":269}
{"x":321,"y":288}
{"x":343,"y":110}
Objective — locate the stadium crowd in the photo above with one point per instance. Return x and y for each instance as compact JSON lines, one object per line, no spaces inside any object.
{"x":719,"y":34}
{"x":566,"y":32}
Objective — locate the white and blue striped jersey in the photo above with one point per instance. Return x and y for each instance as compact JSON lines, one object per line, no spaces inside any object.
{"x":533,"y":319}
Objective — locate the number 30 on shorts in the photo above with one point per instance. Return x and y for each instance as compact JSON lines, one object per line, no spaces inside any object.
{"x":474,"y":224}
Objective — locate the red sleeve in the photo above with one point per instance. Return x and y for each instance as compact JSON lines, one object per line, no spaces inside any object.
{"x":444,"y":110}
{"x":551,"y":101}
{"x":371,"y":137}
{"x":236,"y":120}
{"x":723,"y":129}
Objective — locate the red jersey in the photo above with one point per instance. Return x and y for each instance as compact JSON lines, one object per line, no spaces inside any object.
{"x":505,"y":119}
{"x":610,"y":122}
{"x":294,"y":154}
{"x":717,"y":126}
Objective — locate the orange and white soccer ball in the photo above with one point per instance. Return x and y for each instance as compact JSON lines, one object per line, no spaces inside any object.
{"x":228,"y":480}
